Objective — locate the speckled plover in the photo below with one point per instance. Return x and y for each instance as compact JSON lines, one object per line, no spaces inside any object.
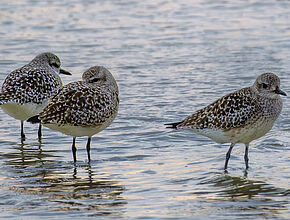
{"x":26,"y":91}
{"x":239,"y":117}
{"x":83,"y":108}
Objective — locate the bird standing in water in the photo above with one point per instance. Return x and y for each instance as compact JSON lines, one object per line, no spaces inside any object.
{"x":83,"y":108}
{"x":239,"y":117}
{"x":26,"y":91}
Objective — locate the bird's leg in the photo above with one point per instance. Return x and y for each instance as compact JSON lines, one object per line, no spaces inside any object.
{"x":39,"y":132}
{"x":89,"y":148}
{"x":74,"y":149}
{"x":228,"y":155}
{"x":246,"y":156}
{"x":22,"y":131}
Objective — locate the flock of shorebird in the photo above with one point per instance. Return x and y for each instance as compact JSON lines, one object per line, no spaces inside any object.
{"x":35,"y":93}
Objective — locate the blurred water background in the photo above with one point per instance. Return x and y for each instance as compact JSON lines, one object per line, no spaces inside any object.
{"x":170,"y":58}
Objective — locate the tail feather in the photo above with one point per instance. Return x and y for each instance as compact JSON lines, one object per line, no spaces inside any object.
{"x":173,"y":125}
{"x":34,"y":119}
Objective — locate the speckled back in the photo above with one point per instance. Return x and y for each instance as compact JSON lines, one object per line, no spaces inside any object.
{"x":234,"y":110}
{"x":26,"y":85}
{"x":83,"y":103}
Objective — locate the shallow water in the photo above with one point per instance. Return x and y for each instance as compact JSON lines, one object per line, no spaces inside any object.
{"x":170,"y":58}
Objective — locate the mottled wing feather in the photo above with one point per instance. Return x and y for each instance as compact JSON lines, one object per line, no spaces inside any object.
{"x":26,"y":85}
{"x":80,"y":105}
{"x":231,"y":111}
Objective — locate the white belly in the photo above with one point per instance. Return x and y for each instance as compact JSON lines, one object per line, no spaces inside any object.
{"x":216,"y":135}
{"x":239,"y":135}
{"x":23,"y":112}
{"x":80,"y":131}
{"x":253,"y":132}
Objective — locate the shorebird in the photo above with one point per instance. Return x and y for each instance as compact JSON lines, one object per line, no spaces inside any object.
{"x":239,"y":117}
{"x":82,"y":108}
{"x":26,"y":91}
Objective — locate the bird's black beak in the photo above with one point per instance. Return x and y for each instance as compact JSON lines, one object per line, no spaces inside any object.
{"x":62,"y":71}
{"x":279,"y":91}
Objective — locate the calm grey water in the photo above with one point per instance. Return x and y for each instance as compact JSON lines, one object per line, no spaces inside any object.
{"x":170,"y":58}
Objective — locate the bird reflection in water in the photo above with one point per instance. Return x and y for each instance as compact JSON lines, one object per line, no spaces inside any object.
{"x":63,"y":186}
{"x":241,"y":193}
{"x":28,"y":154}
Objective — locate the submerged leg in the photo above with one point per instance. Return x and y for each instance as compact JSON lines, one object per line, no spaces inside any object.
{"x":39,"y":131}
{"x":246,"y":156}
{"x":74,"y":149}
{"x":228,"y":155}
{"x":22,"y":131}
{"x":89,"y":148}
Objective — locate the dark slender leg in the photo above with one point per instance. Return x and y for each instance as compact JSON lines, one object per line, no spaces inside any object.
{"x":22,"y":132}
{"x":89,"y":148}
{"x":74,"y":149}
{"x":75,"y":172}
{"x":246,"y":156}
{"x":39,"y":132}
{"x":228,"y":156}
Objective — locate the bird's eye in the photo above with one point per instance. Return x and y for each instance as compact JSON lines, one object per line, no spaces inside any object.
{"x":55,"y":65}
{"x":94,"y":80}
{"x":265,"y":86}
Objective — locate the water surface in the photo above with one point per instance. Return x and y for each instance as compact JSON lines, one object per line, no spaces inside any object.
{"x":169,"y":58}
